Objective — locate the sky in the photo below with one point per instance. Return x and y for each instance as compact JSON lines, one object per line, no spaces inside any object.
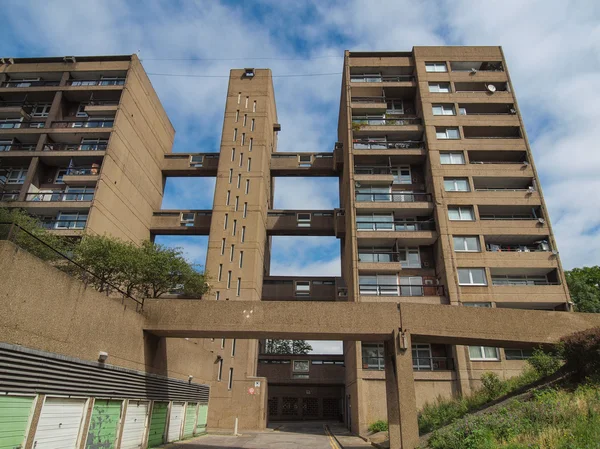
{"x":552,"y":49}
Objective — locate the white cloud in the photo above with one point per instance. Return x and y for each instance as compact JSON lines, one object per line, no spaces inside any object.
{"x":326,"y":347}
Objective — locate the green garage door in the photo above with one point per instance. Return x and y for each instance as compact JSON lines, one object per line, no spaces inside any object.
{"x":190,"y":419}
{"x":158,"y":424}
{"x":14,"y":417}
{"x":104,"y":424}
{"x":202,"y":418}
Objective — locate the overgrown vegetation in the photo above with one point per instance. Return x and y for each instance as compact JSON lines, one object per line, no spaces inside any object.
{"x":444,"y":411}
{"x":378,"y":426}
{"x":274,"y":346}
{"x":145,"y":271}
{"x":584,"y":287}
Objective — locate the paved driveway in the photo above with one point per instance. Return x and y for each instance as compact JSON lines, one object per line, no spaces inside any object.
{"x":302,"y":435}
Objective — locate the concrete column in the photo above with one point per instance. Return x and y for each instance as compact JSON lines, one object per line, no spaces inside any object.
{"x":31,"y":173}
{"x":400,"y":392}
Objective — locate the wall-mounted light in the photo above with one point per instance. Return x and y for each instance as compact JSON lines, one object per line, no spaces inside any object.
{"x":102,"y":356}
{"x":190,"y":377}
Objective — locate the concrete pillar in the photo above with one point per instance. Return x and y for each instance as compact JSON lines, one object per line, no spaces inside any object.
{"x":31,"y":174}
{"x":400,"y":392}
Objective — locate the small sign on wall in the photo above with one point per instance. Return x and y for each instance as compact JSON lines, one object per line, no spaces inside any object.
{"x":257,"y":383}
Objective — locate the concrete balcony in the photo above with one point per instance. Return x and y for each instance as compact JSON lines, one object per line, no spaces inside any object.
{"x":413,"y":151}
{"x":181,"y":222}
{"x":101,"y":109}
{"x":415,"y":203}
{"x":543,"y":296}
{"x":313,"y":288}
{"x":190,"y":164}
{"x":305,"y":222}
{"x":14,"y":109}
{"x":303,"y":164}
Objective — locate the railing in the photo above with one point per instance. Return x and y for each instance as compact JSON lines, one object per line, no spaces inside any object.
{"x":78,"y":224}
{"x":428,"y":225}
{"x":12,"y":195}
{"x":401,"y":290}
{"x":17,"y":146}
{"x":388,"y":121}
{"x":38,"y":247}
{"x":381,"y":78}
{"x":540,"y":247}
{"x":100,"y":103}
{"x":433,"y":364}
{"x":522,"y":282}
{"x":83,"y":123}
{"x":503,"y":189}
{"x":498,"y":162}
{"x":382,"y":256}
{"x":487,"y":113}
{"x":82,"y":171}
{"x":75,"y":147}
{"x":29,"y":83}
{"x":368,"y":100}
{"x":372,"y":170}
{"x":107,"y":82}
{"x":24,"y":124}
{"x":59,"y":196}
{"x":507,"y":217}
{"x":8,"y":104}
{"x":396,"y":197}
{"x":365,"y":144}
{"x":492,"y":137}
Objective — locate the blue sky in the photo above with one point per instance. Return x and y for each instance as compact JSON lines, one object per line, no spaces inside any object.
{"x":552,"y":48}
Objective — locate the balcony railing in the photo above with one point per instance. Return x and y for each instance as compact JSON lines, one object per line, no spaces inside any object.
{"x":75,"y":146}
{"x":433,"y":364}
{"x":30,"y":83}
{"x":24,"y":124}
{"x":507,"y":217}
{"x":104,"y":123}
{"x":106,"y":82}
{"x":396,"y":197}
{"x":11,"y":195}
{"x":382,"y":256}
{"x":521,"y":281}
{"x":503,"y":189}
{"x":401,"y":290}
{"x":17,"y":146}
{"x":387,"y":121}
{"x":380,"y":78}
{"x":368,"y":100}
{"x":83,"y":171}
{"x":498,"y":162}
{"x":372,"y":170}
{"x":540,"y":247}
{"x":59,"y":196}
{"x":428,"y":225}
{"x":366,"y":144}
{"x":64,"y":224}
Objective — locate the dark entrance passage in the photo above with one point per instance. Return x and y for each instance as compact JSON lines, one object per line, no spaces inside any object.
{"x":305,"y":402}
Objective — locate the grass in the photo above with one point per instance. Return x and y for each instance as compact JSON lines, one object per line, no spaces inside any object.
{"x":445,"y":411}
{"x":552,"y":419}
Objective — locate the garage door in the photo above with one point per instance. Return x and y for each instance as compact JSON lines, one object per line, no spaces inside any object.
{"x":202,"y":418}
{"x":175,"y":421}
{"x":60,"y":423}
{"x":14,"y":418}
{"x":158,"y":424}
{"x":190,"y":419}
{"x":134,"y":429}
{"x":104,"y":424}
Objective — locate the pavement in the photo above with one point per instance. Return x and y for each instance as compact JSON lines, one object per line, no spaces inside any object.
{"x":289,"y":435}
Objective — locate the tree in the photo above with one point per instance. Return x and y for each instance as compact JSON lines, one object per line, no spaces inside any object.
{"x":584,"y":286}
{"x":294,"y":347}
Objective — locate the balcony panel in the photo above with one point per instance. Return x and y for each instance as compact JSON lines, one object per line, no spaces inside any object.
{"x":48,"y":207}
{"x":14,"y":110}
{"x":182,"y":164}
{"x":428,"y":299}
{"x":172,"y":222}
{"x":284,"y":288}
{"x":375,"y":179}
{"x":404,"y":208}
{"x":303,"y":164}
{"x":303,"y":222}
{"x":410,"y":238}
{"x":80,"y":180}
{"x":540,"y":294}
{"x":95,"y":110}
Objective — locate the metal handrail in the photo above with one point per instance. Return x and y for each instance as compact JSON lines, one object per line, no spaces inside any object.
{"x":399,"y":289}
{"x":17,"y":146}
{"x":103,"y":82}
{"x":59,"y":196}
{"x":74,"y":147}
{"x":5,"y":104}
{"x":395,"y":197}
{"x":425,"y":225}
{"x":100,"y":103}
{"x":503,"y":189}
{"x":387,"y":145}
{"x":507,"y":217}
{"x":23,"y":124}
{"x":101,"y":123}
{"x":31,"y":83}
{"x":387,"y":121}
{"x":381,"y":78}
{"x":83,"y":171}
{"x":368,"y":100}
{"x":498,"y":162}
{"x":493,"y":137}
{"x":522,"y":283}
{"x":517,"y":248}
{"x":376,"y":170}
{"x":16,"y":228}
{"x":433,"y":364}
{"x":51,"y":224}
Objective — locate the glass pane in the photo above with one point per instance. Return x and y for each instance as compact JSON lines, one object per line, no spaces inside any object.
{"x":453,"y":214}
{"x":475,"y":352}
{"x":463,"y":276}
{"x":490,"y":353}
{"x":452,"y":133}
{"x":466,"y":213}
{"x":472,"y":243}
{"x":478,"y":275}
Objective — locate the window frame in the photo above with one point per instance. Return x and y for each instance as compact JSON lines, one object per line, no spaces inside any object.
{"x":451,"y":155}
{"x":436,"y":65}
{"x":483,"y":357}
{"x":456,"y":182}
{"x":465,"y":245}
{"x":460,"y":209}
{"x":446,"y":109}
{"x":379,"y":356}
{"x":446,"y":136}
{"x":470,"y":273}
{"x":438,"y":84}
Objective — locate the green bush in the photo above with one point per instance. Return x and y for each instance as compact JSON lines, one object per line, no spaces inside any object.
{"x":378,"y":426}
{"x":545,"y":363}
{"x":581,"y":352}
{"x":492,"y":385}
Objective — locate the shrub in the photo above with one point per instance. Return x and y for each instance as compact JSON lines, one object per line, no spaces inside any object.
{"x":581,"y":352}
{"x":492,"y":385}
{"x":378,"y":426}
{"x":545,"y":363}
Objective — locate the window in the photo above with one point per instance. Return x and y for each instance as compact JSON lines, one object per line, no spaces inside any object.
{"x":232,"y":154}
{"x":243,"y":138}
{"x":111,"y":81}
{"x":250,"y":144}
{"x":456,"y":185}
{"x":373,"y":356}
{"x":508,"y":279}
{"x":300,"y":366}
{"x":245,"y":213}
{"x":436,"y":67}
{"x":375,"y":222}
{"x":304,"y":160}
{"x":303,"y":220}
{"x":241,"y":159}
{"x":395,"y":107}
{"x":234,"y":227}
{"x":402,"y":175}
{"x":252,"y":125}
{"x":461,"y":213}
{"x":247,"y":189}
{"x":452,"y":158}
{"x":79,"y":194}
{"x":226,"y":221}
{"x":196,"y":161}
{"x":249,"y":163}
{"x":60,"y":173}
{"x":485,"y":305}
{"x":222,"y":343}
{"x":233,"y":347}
{"x":71,"y":220}
{"x":245,"y":119}
{"x":187,"y":219}
{"x":443,"y":109}
{"x":230,"y":381}
{"x":411,"y":286}
{"x":14,"y":175}
{"x":220,"y":274}
{"x":373,"y":193}
{"x":409,"y":257}
{"x":228,"y":198}
{"x":421,"y":355}
{"x":471,"y":276}
{"x":241,"y":258}
{"x":237,"y":115}
{"x":217,"y":296}
{"x":302,"y":288}
{"x":222,"y":247}
{"x":439,"y":87}
{"x":93,"y":144}
{"x":466,"y":243}
{"x":41,"y":110}
{"x":231,"y":253}
{"x":254,"y":107}
{"x":243,"y":236}
{"x":246,"y":104}
{"x":483,"y":353}
{"x":237,"y":203}
{"x":518,"y":354}
{"x":239,"y":97}
{"x":228,"y":280}
{"x":220,"y":371}
{"x":239,"y":287}
{"x":447,"y":133}
{"x":379,"y":284}
{"x":234,"y":134}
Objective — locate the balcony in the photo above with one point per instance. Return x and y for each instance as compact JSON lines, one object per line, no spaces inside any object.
{"x":369,"y":199}
{"x":498,"y":158}
{"x":494,"y":109}
{"x":433,"y":364}
{"x":18,"y":123}
{"x":9,"y":145}
{"x":85,"y":146}
{"x":15,"y":84}
{"x":112,"y":81}
{"x":491,"y":88}
{"x":101,"y":108}
{"x":360,"y":122}
{"x":191,"y":164}
{"x":492,"y":132}
{"x":375,"y":228}
{"x":380,"y":78}
{"x":181,"y":222}
{"x":95,"y":123}
{"x":79,"y":194}
{"x":315,"y":288}
{"x":303,"y":164}
{"x":474,"y":67}
{"x":10,"y":109}
{"x":403,"y":290}
{"x":385,"y":256}
{"x":305,"y":222}
{"x":82,"y":175}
